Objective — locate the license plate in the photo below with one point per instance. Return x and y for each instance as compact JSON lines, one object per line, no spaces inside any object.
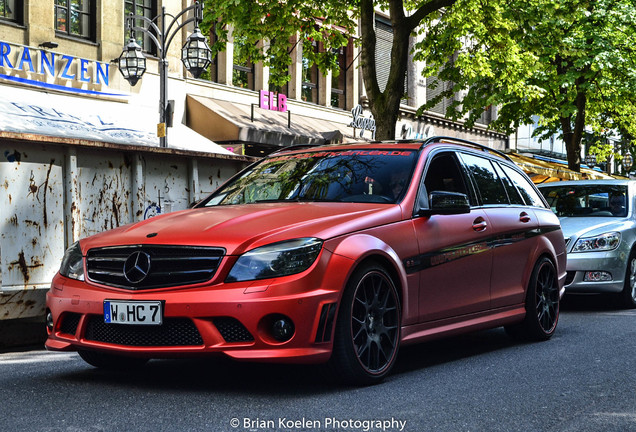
{"x":133,"y":312}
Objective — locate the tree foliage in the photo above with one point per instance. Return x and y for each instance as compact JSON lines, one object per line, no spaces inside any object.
{"x":266,"y":29}
{"x":332,"y":23}
{"x":570,"y":62}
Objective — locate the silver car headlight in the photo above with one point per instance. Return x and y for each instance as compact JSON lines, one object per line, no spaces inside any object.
{"x":278,"y":259}
{"x":73,"y":263}
{"x":604,"y":242}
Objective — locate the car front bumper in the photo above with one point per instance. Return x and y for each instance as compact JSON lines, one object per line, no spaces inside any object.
{"x":612,"y":262}
{"x":234,"y":319}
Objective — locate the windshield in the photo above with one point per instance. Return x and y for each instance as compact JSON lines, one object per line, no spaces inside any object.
{"x":587,"y":200}
{"x":352,"y":175}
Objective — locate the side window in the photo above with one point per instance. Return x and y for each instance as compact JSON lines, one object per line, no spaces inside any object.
{"x":513,"y":193}
{"x":444,"y":174}
{"x":525,"y":187}
{"x":490,"y":187}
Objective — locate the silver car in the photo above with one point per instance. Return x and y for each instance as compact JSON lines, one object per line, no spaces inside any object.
{"x":599,"y":223}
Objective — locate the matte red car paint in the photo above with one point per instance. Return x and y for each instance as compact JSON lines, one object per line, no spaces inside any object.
{"x":454,"y":272}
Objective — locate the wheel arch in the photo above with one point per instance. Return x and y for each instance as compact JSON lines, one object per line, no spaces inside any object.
{"x":546,"y":248}
{"x":363,"y":249}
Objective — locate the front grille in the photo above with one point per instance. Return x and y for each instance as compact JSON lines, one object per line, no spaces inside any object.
{"x":232,"y":330}
{"x":69,"y":323}
{"x":164,"y":266}
{"x":173,"y":332}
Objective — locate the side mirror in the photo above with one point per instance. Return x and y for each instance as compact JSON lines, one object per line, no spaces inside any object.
{"x":446,"y":203}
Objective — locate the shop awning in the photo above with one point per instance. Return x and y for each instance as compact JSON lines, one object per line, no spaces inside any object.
{"x":541,"y":171}
{"x":230,"y":122}
{"x":26,"y":112}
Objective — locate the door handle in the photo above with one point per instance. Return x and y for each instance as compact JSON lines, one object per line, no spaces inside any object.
{"x":480,"y":224}
{"x":523,"y":217}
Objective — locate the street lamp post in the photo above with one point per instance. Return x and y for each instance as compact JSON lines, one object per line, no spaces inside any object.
{"x":627,"y":162}
{"x":195,"y":54}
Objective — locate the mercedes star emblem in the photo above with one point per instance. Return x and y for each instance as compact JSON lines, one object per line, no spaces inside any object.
{"x":137,"y":267}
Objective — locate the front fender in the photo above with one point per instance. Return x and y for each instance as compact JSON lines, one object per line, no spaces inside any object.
{"x":361,"y":247}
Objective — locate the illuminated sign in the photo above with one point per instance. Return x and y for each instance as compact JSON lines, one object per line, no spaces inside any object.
{"x":46,"y":69}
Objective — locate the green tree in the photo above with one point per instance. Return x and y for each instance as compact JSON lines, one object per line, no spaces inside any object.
{"x":571,"y":62}
{"x":277,"y":23}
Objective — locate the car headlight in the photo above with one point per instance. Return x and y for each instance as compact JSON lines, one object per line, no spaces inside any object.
{"x":72,"y":263}
{"x":278,"y":259}
{"x":603,"y":242}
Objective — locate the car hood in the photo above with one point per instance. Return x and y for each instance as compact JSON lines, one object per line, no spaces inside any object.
{"x":243,"y":227}
{"x":589,"y":226}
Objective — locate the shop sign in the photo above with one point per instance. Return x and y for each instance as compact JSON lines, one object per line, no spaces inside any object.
{"x":41,"y":68}
{"x":272,"y":101}
{"x":362,"y":123}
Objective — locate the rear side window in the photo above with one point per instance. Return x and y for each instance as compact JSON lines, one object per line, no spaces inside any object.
{"x":525,"y":187}
{"x":491,"y":189}
{"x":513,"y":193}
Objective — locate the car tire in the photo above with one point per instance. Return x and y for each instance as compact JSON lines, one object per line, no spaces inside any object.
{"x":542,"y":304}
{"x":628,"y":295}
{"x":111,"y":361}
{"x":367,"y":334}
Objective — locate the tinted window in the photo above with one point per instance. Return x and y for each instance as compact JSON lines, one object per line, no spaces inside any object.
{"x":352,"y":175}
{"x":525,"y":187}
{"x":587,"y":200}
{"x":444,"y":174}
{"x":487,"y":180}
{"x":513,"y":193}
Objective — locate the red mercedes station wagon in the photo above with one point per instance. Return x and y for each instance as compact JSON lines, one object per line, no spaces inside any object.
{"x":335,"y":254}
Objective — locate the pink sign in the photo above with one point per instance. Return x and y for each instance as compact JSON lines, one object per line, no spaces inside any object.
{"x":272,"y":101}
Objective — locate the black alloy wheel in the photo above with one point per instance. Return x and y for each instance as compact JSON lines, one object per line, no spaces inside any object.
{"x":547,"y":297}
{"x":368,"y":329}
{"x":542,"y":304}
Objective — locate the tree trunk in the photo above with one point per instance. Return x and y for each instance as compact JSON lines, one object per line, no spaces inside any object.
{"x":573,"y":134}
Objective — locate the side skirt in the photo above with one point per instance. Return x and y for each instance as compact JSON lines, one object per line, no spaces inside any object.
{"x":462,"y":324}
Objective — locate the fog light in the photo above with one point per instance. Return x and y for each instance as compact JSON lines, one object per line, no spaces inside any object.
{"x":282,"y":329}
{"x":597,"y":276}
{"x":49,"y":321}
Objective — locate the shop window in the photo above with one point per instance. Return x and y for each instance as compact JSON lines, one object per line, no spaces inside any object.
{"x":145,"y":8}
{"x":75,"y":18}
{"x":309,"y":92}
{"x":243,"y":68}
{"x":11,"y":10}
{"x":339,"y":81}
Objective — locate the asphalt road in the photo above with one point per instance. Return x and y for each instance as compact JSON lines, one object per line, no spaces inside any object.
{"x":583,"y":379}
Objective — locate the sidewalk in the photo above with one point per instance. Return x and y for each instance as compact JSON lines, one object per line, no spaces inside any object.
{"x":22,"y":333}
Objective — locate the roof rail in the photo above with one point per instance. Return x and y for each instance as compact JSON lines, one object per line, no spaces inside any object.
{"x":452,"y":140}
{"x":295,"y":147}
